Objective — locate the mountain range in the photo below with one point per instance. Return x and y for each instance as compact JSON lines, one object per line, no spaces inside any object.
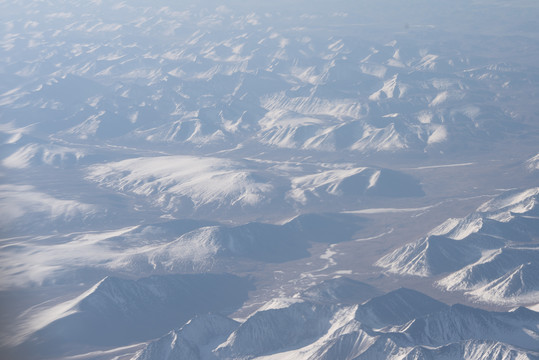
{"x":194,"y":179}
{"x":490,"y":254}
{"x":402,"y":324}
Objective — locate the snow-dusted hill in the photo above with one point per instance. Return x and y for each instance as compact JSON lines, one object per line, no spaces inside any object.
{"x":211,"y":185}
{"x":186,"y":182}
{"x":490,"y":254}
{"x":214,"y":246}
{"x":168,"y":247}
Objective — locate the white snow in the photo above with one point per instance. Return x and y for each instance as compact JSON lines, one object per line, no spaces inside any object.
{"x":165,"y":179}
{"x":96,"y":237}
{"x":325,"y":182}
{"x":440,"y":166}
{"x":374,"y":69}
{"x":279,"y":303}
{"x":374,"y":179}
{"x":533,"y":163}
{"x":445,"y":227}
{"x":33,"y":262}
{"x":440,"y":98}
{"x":388,"y":210}
{"x":425,"y":117}
{"x":388,"y":90}
{"x":339,"y":108}
{"x":499,"y":275}
{"x":438,"y":135}
{"x":20,"y":201}
{"x":379,"y":139}
{"x":518,"y":202}
{"x":466,"y":227}
{"x":42,"y":315}
{"x":158,"y":106}
{"x":50,"y":155}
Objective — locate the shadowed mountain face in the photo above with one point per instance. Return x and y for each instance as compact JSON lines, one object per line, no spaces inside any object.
{"x":117,"y":311}
{"x":340,"y":290}
{"x":397,"y":307}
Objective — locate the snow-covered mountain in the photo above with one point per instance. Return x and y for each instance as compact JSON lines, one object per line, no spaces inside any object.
{"x":211,"y":185}
{"x":339,"y":290}
{"x":217,"y":79}
{"x":194,"y":340}
{"x":491,"y":254}
{"x":169,"y":247}
{"x":403,"y":324}
{"x":211,"y":247}
{"x":279,"y":324}
{"x":397,"y":307}
{"x":186,"y":182}
{"x":459,"y":322}
{"x":117,"y":311}
{"x":501,"y":276}
{"x":190,"y":159}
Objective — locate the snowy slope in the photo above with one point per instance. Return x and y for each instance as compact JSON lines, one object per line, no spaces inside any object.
{"x":35,"y":154}
{"x":533,"y":163}
{"x":279,"y":243}
{"x":219,"y":77}
{"x":343,"y":183}
{"x":208,"y":247}
{"x":501,"y":276}
{"x":190,"y":340}
{"x":116,"y":117}
{"x":396,"y":307}
{"x":182,"y":181}
{"x":435,"y":255}
{"x":24,"y":206}
{"x":410,"y":326}
{"x":489,"y":253}
{"x":118,"y":311}
{"x":459,"y":322}
{"x":272,"y":329}
{"x":211,"y":185}
{"x":167,"y":247}
{"x":340,"y":290}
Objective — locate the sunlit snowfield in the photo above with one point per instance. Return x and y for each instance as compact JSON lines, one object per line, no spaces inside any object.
{"x":269,"y":180}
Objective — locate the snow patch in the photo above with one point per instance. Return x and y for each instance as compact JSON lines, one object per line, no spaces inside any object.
{"x":438,"y":135}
